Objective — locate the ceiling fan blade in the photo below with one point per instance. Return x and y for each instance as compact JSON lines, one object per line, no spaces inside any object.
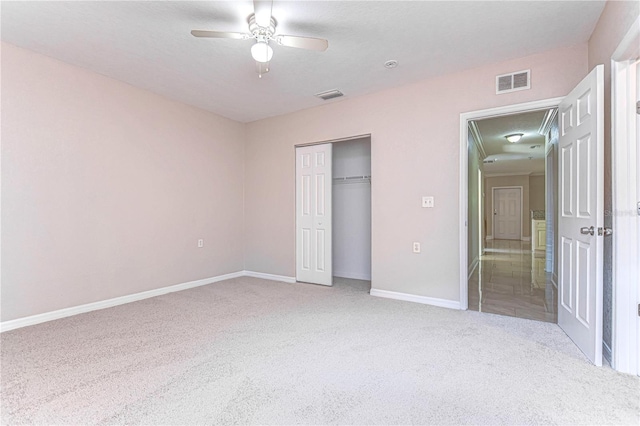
{"x":262,"y":9}
{"x":262,"y":68}
{"x":219,"y":34}
{"x":309,"y":43}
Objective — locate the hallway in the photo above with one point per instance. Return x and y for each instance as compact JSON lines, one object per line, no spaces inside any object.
{"x":510,"y":280}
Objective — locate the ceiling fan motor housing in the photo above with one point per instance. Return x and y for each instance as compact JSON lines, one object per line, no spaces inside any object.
{"x":262,"y":33}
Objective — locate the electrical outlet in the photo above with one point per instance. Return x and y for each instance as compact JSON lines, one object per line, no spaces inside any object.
{"x":416,"y":247}
{"x":427,"y":202}
{"x":200,"y":243}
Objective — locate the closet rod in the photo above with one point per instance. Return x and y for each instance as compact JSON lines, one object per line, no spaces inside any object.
{"x":352,"y":179}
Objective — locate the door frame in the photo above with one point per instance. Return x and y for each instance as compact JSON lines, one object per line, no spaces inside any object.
{"x":626,"y":231}
{"x":493,"y":208}
{"x":550,"y":208}
{"x":481,"y":214}
{"x":464,"y":184}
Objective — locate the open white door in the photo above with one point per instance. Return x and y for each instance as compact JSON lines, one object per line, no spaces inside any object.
{"x":581,"y":214}
{"x":313,"y":214}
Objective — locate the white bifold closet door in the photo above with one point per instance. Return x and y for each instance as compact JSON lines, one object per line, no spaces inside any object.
{"x":313,"y":214}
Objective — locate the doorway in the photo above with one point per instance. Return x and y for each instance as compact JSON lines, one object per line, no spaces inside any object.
{"x":507,"y":213}
{"x":511,"y":276}
{"x":333,"y":213}
{"x":580,"y":208}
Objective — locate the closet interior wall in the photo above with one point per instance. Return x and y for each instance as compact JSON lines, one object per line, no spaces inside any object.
{"x":352,"y":209}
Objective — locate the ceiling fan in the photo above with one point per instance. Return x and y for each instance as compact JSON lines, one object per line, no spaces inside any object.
{"x":262,"y":29}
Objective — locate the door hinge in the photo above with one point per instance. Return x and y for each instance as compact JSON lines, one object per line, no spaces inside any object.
{"x":639,"y":309}
{"x":638,"y":107}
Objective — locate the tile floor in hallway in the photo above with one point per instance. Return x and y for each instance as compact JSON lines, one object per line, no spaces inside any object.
{"x":511,"y":280}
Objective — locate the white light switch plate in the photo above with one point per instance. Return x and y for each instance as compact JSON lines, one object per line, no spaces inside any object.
{"x":428,"y":202}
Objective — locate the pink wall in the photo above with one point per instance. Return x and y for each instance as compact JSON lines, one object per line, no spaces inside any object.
{"x":106,"y":188}
{"x":415,"y":149}
{"x":614,"y":23}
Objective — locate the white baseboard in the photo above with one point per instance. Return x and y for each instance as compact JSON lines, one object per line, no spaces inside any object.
{"x":103,"y":304}
{"x":472,"y":267}
{"x":489,"y":237}
{"x":443,"y":303}
{"x":352,"y":275}
{"x":271,"y":277}
{"x":525,"y":239}
{"x":81,"y":309}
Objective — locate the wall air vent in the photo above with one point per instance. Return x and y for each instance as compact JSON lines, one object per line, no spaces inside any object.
{"x":512,"y":82}
{"x":330,"y":94}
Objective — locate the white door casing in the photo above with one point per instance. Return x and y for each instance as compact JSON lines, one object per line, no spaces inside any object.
{"x":507,"y":213}
{"x":636,"y":71}
{"x":550,"y":208}
{"x":313,"y":214}
{"x":625,"y":220}
{"x":463,"y":194}
{"x":581,"y":214}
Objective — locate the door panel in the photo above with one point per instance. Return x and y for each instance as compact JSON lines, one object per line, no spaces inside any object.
{"x":583,"y":180}
{"x":582,"y":215}
{"x":566,"y":180}
{"x":566,"y":256}
{"x":313,"y":214}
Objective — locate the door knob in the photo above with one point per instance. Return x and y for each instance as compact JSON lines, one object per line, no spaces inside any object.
{"x":587,"y":231}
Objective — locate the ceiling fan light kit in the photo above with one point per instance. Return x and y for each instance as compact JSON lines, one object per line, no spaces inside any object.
{"x":261,"y":51}
{"x":262,"y":29}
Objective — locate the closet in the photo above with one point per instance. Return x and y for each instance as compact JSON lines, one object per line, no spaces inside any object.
{"x":351,"y":209}
{"x":333,"y":211}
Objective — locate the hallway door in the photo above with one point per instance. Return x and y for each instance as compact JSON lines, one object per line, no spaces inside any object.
{"x":581,"y":214}
{"x":507,"y":213}
{"x":313,"y":214}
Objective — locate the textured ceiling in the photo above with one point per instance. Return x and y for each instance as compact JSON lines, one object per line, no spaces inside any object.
{"x":526,"y":155}
{"x":148,"y":44}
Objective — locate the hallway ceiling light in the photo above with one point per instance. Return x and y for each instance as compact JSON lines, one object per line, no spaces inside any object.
{"x":514,"y":137}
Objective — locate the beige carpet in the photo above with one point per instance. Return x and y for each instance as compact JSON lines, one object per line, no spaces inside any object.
{"x":249,"y":351}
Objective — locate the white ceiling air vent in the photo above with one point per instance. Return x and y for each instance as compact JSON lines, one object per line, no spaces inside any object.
{"x":329,"y":94}
{"x":512,"y":82}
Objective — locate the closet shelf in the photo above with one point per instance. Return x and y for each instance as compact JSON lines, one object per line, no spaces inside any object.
{"x":352,"y":179}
